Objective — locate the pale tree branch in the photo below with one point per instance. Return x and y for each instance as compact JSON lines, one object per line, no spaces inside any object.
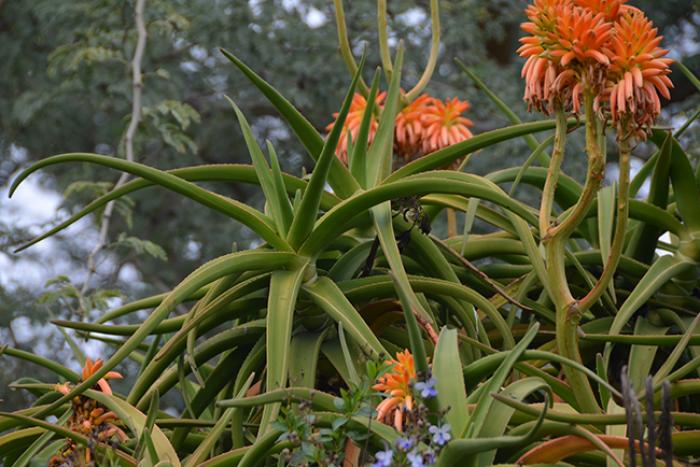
{"x":137,"y":91}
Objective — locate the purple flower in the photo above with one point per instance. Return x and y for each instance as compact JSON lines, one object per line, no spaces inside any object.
{"x":416,"y":459}
{"x":383,"y":458}
{"x":431,"y":457}
{"x":404,"y":443}
{"x":427,"y":388}
{"x":441,"y":434}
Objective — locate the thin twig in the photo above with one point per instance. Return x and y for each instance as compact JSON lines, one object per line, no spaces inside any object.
{"x":137,"y":90}
{"x":493,"y":284}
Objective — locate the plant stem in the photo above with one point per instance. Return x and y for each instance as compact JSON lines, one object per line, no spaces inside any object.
{"x":451,"y":223}
{"x":620,"y":228}
{"x":568,"y":313}
{"x":382,"y":27}
{"x":344,"y":44}
{"x":550,"y":185}
{"x":434,"y":50}
{"x":596,"y":168}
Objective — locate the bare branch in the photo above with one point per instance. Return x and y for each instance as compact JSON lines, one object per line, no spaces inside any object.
{"x":137,"y":91}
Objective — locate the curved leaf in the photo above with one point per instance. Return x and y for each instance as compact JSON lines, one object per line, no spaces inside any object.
{"x":340,"y":178}
{"x":248,"y":216}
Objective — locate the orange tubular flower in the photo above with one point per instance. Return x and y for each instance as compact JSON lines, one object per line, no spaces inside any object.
{"x":89,"y":418}
{"x":397,"y":385}
{"x":444,"y":124}
{"x":541,"y":69}
{"x":609,"y":8}
{"x":409,"y":127}
{"x":90,"y":369}
{"x":638,"y":73}
{"x":353,"y":122}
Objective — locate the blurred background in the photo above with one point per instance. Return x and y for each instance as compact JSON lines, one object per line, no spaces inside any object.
{"x":65,"y":86}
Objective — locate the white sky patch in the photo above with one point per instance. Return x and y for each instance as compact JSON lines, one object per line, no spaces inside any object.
{"x":315,"y":18}
{"x":689,"y":41}
{"x":413,"y":17}
{"x":612,"y":172}
{"x":666,"y":238}
{"x":34,"y":207}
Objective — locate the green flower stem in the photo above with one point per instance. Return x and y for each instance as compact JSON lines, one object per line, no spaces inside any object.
{"x":553,"y":171}
{"x":620,"y":228}
{"x":344,"y":44}
{"x":434,"y":50}
{"x":596,"y":172}
{"x":568,"y":313}
{"x":382,"y":27}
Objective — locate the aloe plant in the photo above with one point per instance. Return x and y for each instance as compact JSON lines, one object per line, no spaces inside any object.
{"x":515,"y":337}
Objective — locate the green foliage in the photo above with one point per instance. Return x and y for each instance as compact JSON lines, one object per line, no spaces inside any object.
{"x":271,"y":353}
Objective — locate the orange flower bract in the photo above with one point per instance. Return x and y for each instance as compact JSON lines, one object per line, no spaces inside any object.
{"x":90,"y":419}
{"x":425,"y":125}
{"x":353,"y":122}
{"x":409,"y":127}
{"x":639,"y":71}
{"x":605,"y":49}
{"x":396,"y":384}
{"x":444,"y":124}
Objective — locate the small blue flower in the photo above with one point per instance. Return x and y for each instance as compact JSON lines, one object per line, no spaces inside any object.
{"x":441,"y":434}
{"x":404,"y":443}
{"x":427,"y":388}
{"x":430,"y":457}
{"x":416,"y":459}
{"x":383,"y":458}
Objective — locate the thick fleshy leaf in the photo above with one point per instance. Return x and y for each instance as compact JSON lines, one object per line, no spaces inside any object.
{"x":282,"y":301}
{"x":452,"y":395}
{"x":500,"y":415}
{"x":642,"y":245}
{"x":663,"y":270}
{"x":483,"y":406}
{"x":306,"y":214}
{"x":39,"y":444}
{"x":339,"y":178}
{"x":305,"y":349}
{"x":326,"y":294}
{"x":379,"y":157}
{"x":224,"y":265}
{"x":250,"y":217}
{"x":208,"y":443}
{"x":450,"y":154}
{"x":606,"y":220}
{"x":241,"y":173}
{"x":280,"y":207}
{"x":357,"y":158}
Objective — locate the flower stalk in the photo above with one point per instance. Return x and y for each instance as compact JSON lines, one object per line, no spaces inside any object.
{"x":553,"y":173}
{"x":344,"y":44}
{"x":568,"y":312}
{"x":383,"y":29}
{"x":434,"y":50}
{"x":620,"y":228}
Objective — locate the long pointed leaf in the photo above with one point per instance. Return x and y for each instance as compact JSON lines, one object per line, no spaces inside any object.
{"x":250,"y":217}
{"x":340,"y":178}
{"x":452,"y":394}
{"x":308,"y":209}
{"x":280,"y":207}
{"x":284,"y":290}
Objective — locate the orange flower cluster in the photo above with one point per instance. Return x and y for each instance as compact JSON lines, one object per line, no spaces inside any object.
{"x":602,"y":47}
{"x":397,"y":384}
{"x":89,"y":418}
{"x":425,"y":125}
